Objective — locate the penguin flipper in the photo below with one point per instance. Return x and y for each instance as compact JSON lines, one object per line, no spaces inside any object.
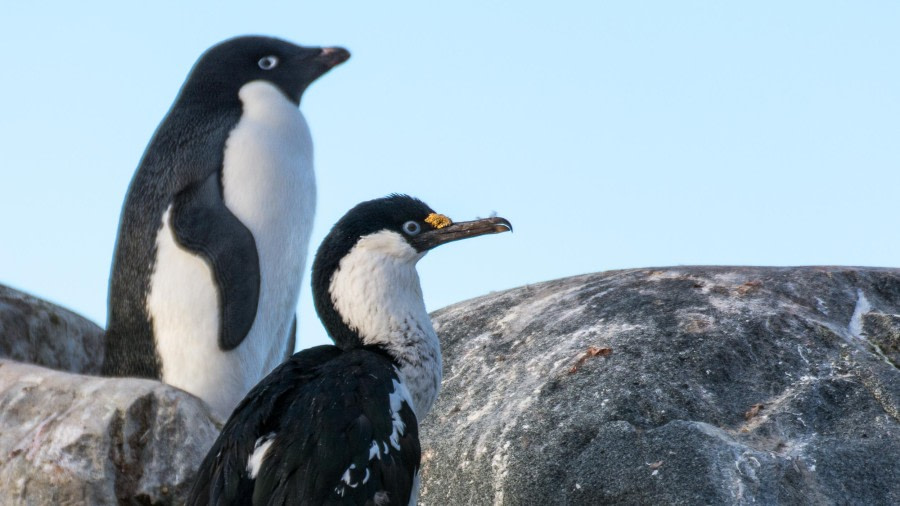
{"x":204,"y":225}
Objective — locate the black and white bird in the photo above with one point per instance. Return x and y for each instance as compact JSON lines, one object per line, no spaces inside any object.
{"x":339,"y":424}
{"x":215,"y":228}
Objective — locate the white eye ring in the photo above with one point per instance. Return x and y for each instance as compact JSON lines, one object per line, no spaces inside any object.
{"x":268,"y":62}
{"x":412,"y":228}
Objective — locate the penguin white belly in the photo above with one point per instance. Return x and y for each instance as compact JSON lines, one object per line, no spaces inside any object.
{"x":269,"y":185}
{"x":184,"y":306}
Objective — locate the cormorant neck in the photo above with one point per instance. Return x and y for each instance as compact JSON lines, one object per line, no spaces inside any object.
{"x":373,"y":298}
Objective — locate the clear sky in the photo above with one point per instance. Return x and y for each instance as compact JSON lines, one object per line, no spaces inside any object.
{"x":612,"y":134}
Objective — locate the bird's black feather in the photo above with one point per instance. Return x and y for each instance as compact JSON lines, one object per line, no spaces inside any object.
{"x":323,"y":409}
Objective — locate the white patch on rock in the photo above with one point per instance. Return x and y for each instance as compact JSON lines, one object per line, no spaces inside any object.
{"x":821,"y":306}
{"x":862,"y":307}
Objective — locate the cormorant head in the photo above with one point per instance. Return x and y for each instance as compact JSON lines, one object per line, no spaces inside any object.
{"x":364,"y":276}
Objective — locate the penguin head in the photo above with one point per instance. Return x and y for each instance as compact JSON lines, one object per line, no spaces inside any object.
{"x":225,"y":68}
{"x":369,"y":256}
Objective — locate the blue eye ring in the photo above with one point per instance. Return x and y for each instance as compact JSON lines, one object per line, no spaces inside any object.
{"x":412,"y":228}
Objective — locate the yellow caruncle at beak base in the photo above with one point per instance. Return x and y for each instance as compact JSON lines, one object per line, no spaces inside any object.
{"x":438,"y":220}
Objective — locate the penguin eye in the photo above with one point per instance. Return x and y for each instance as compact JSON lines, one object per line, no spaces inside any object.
{"x":412,"y":228}
{"x":268,"y":62}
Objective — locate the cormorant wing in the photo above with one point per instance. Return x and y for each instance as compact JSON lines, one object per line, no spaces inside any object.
{"x":326,"y":427}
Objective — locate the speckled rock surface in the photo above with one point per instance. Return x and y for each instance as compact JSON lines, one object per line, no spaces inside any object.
{"x":691,"y":385}
{"x":37,"y":332}
{"x":70,"y":439}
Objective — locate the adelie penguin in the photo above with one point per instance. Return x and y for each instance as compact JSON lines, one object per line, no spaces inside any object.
{"x":215,"y":227}
{"x":339,"y":424}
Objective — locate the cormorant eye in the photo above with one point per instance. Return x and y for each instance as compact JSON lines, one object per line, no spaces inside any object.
{"x":268,"y":62}
{"x":412,"y":228}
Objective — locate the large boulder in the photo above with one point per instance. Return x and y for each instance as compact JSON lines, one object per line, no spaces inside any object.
{"x":38,"y":332}
{"x":688,"y":385}
{"x":71,"y":439}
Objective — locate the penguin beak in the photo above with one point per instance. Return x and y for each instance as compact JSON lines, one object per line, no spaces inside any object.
{"x":331,"y":57}
{"x":316,"y":62}
{"x":462,"y":230}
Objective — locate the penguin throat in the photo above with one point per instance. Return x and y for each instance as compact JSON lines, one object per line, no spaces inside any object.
{"x":376,"y":292}
{"x":259,"y":98}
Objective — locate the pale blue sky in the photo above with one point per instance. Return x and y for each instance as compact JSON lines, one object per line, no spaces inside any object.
{"x":612,"y":135}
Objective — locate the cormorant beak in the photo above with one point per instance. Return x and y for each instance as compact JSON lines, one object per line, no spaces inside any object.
{"x":462,"y":230}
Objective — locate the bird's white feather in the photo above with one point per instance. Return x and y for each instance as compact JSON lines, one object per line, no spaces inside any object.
{"x":260,"y":450}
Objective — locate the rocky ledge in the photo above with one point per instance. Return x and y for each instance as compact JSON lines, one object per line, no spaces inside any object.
{"x":688,"y":385}
{"x":38,"y":332}
{"x":74,"y":439}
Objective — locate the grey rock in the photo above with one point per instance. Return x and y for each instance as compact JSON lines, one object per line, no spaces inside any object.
{"x":689,"y":385}
{"x":70,"y":439}
{"x":884,"y":332}
{"x":38,"y":332}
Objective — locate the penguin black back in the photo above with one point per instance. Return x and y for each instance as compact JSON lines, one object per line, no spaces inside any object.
{"x":130,"y":348}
